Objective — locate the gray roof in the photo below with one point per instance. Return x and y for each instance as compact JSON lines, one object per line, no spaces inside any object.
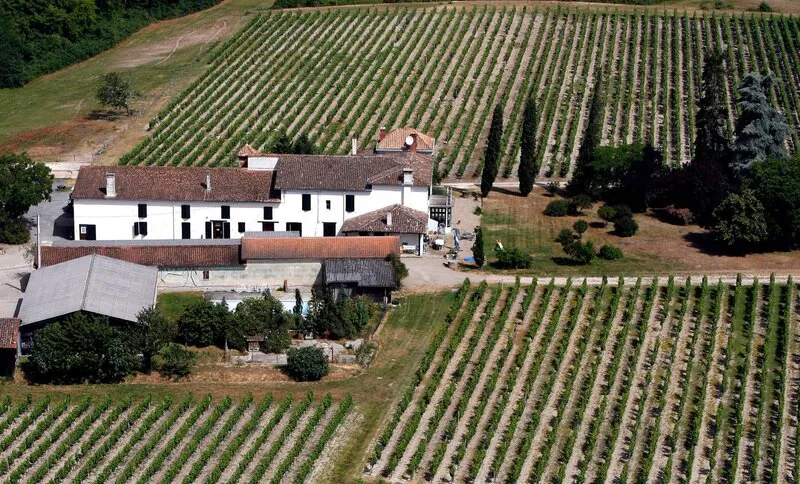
{"x":93,"y":283}
{"x":362,"y":272}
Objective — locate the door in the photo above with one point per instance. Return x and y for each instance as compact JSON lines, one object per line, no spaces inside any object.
{"x":268,"y":226}
{"x":216,"y":229}
{"x":87,"y":232}
{"x":329,"y":229}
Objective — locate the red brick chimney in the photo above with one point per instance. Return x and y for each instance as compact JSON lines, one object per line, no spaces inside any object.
{"x":381,"y":133}
{"x":413,"y":147}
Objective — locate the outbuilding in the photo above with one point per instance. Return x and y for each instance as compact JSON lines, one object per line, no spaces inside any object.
{"x":371,"y":278}
{"x":9,"y":345}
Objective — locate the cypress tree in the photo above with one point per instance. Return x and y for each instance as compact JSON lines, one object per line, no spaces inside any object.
{"x":591,"y":139}
{"x":761,"y":131}
{"x":712,"y":136}
{"x":477,"y":248}
{"x":528,"y":168}
{"x":492,"y":157}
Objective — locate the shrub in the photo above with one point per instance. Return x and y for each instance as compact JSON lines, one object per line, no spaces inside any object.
{"x":557,"y":208}
{"x":678,"y":216}
{"x":622,"y":211}
{"x":609,"y":252}
{"x":579,"y":203}
{"x":398,"y":268}
{"x":15,"y":232}
{"x":514,"y":258}
{"x":625,"y":226}
{"x":552,"y":188}
{"x":583,"y":253}
{"x":307,"y":364}
{"x":565,"y":236}
{"x":607,"y":213}
{"x":175,"y":361}
{"x":765,"y":7}
{"x":580,"y":226}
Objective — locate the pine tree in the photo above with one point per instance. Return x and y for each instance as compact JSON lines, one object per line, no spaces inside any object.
{"x":477,"y":248}
{"x":528,"y":168}
{"x":591,"y":139}
{"x":761,"y":131}
{"x":492,"y":156}
{"x":283,"y":145}
{"x":712,"y":136}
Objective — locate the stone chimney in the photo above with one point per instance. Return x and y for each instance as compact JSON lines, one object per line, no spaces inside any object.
{"x":408,"y":176}
{"x":354,"y":145}
{"x":382,"y":133}
{"x":413,"y":147}
{"x":208,"y":180}
{"x":388,"y":219}
{"x":111,"y":185}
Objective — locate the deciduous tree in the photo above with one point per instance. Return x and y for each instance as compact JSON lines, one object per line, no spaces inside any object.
{"x":23,"y":184}
{"x":739,"y":221}
{"x":154,"y":331}
{"x":116,"y":91}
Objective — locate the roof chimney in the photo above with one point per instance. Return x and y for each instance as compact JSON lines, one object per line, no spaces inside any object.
{"x":388,"y":219}
{"x":408,"y":176}
{"x":382,"y":133}
{"x":354,"y":145}
{"x":413,"y":147}
{"x":208,"y":180}
{"x":111,"y":185}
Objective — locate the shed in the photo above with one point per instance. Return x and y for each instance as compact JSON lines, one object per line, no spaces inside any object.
{"x":371,"y":278}
{"x":9,"y":342}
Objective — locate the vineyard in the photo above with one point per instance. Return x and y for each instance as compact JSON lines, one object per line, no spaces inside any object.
{"x":662,"y":380}
{"x":57,"y":439}
{"x":345,"y":72}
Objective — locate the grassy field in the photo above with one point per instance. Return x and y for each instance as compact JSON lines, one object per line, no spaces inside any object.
{"x":669,"y":381}
{"x":658,"y":247}
{"x":403,"y":339}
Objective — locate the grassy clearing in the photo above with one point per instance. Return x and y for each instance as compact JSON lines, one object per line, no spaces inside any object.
{"x":173,"y":304}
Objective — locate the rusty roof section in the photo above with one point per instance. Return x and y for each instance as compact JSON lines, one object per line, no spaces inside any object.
{"x":183,"y":184}
{"x":396,"y":140}
{"x":318,"y":248}
{"x":350,"y":173}
{"x":9,"y":333}
{"x":201,"y":255}
{"x":404,"y":221}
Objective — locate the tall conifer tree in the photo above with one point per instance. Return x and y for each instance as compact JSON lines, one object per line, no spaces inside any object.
{"x":591,"y":138}
{"x":528,"y":168}
{"x":712,"y":139}
{"x":492,"y":157}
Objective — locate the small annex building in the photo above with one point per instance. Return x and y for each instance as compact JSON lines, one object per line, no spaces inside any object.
{"x":404,"y":139}
{"x":93,"y":283}
{"x":408,"y":224}
{"x":371,"y":278}
{"x":9,"y":345}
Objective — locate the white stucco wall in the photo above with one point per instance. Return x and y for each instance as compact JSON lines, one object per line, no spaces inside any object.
{"x":295,"y":272}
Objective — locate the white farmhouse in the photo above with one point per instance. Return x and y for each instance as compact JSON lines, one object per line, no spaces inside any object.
{"x":308,"y":194}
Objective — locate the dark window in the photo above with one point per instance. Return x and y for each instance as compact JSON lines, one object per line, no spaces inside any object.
{"x":142,"y":210}
{"x":226,"y":212}
{"x":226,"y":230}
{"x":205,"y":275}
{"x":241,"y":227}
{"x":87,"y":232}
{"x":208,"y":230}
{"x":185,"y":209}
{"x":328,"y":204}
{"x":294,"y":227}
{"x":267,"y":213}
{"x":139,"y":228}
{"x":186,"y":230}
{"x":268,"y":226}
{"x":329,"y":229}
{"x":306,"y":202}
{"x":349,"y":203}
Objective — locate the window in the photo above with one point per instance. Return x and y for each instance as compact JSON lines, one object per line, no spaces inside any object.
{"x":306,"y":202}
{"x":87,"y":232}
{"x":139,"y":228}
{"x":218,"y":229}
{"x":294,"y":227}
{"x":267,"y":213}
{"x":185,"y":209}
{"x":142,"y":210}
{"x":241,"y":227}
{"x":226,"y":212}
{"x":349,"y":203}
{"x":329,"y":229}
{"x":328,"y":204}
{"x":186,"y":230}
{"x":206,"y":275}
{"x":268,"y":226}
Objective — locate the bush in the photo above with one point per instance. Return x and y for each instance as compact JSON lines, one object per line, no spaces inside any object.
{"x":557,"y":208}
{"x":307,"y":364}
{"x":579,"y":203}
{"x":175,"y":361}
{"x":514,"y":258}
{"x":765,"y":7}
{"x":607,"y":213}
{"x":609,"y":252}
{"x":678,"y":216}
{"x":552,"y":188}
{"x":398,"y":268}
{"x":625,"y":226}
{"x":15,"y":232}
{"x":565,"y":236}
{"x":622,"y":211}
{"x":203,"y":323}
{"x":583,"y":253}
{"x":580,"y":226}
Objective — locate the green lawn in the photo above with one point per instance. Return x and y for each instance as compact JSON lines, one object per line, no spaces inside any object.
{"x":172,"y":304}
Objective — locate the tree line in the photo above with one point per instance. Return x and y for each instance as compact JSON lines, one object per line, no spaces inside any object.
{"x":46,"y":35}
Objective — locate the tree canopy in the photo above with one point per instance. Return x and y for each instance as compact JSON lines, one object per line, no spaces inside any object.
{"x":739,"y":221}
{"x":116,"y":91}
{"x":23,"y":184}
{"x":261,"y":316}
{"x":582,"y":179}
{"x":712,"y":139}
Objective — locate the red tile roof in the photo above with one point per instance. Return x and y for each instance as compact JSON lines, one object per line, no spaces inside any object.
{"x":177,"y":184}
{"x":318,"y":248}
{"x":404,"y":221}
{"x":9,"y":333}
{"x":164,"y":256}
{"x":396,"y":140}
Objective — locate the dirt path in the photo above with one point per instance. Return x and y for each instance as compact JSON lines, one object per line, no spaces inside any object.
{"x":550,"y":410}
{"x":708,"y":423}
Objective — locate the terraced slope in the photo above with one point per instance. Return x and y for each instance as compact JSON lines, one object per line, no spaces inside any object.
{"x":339,"y":73}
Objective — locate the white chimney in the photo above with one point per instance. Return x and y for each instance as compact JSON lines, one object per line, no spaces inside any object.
{"x":382,"y":133}
{"x":388,"y":219}
{"x":408,"y":176}
{"x":111,"y":185}
{"x":354,"y":147}
{"x":208,"y":180}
